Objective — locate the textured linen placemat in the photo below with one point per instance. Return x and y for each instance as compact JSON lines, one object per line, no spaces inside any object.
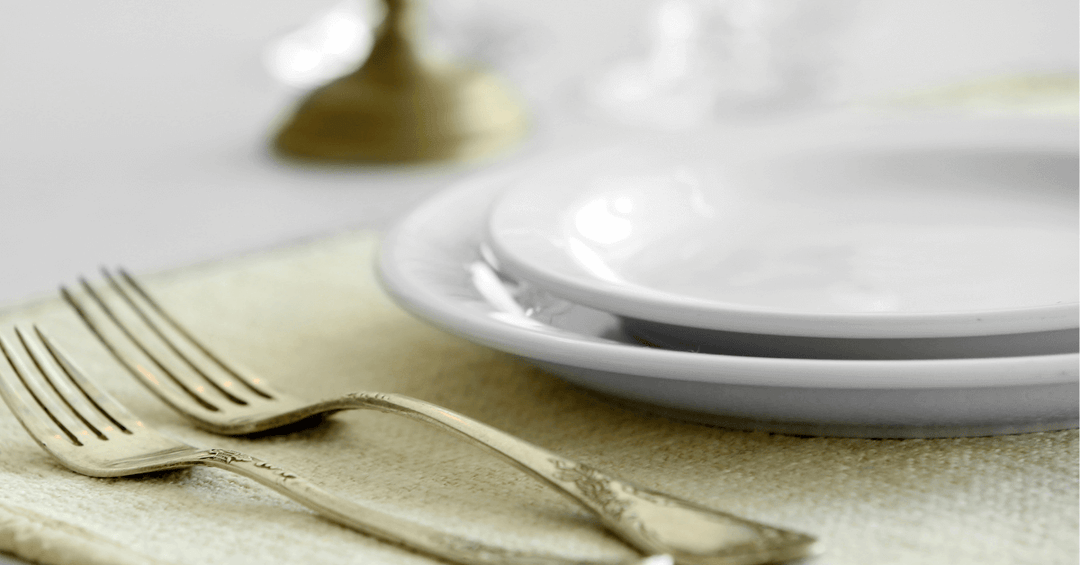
{"x":313,"y":320}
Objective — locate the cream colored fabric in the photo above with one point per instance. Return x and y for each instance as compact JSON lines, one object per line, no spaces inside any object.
{"x":312,"y":319}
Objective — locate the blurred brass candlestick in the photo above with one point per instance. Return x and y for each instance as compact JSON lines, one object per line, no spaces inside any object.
{"x":400,"y":107}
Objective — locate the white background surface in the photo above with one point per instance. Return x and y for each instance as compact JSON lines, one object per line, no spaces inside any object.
{"x":134,"y":133}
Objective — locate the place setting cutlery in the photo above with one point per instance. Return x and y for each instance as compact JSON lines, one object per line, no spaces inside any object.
{"x":91,"y":433}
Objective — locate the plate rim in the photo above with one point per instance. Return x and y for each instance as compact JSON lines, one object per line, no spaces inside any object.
{"x":426,"y":303}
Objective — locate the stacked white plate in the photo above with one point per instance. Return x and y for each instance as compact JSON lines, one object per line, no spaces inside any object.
{"x":849,"y":274}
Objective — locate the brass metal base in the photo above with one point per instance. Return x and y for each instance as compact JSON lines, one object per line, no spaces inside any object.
{"x":399,"y":108}
{"x":444,"y":113}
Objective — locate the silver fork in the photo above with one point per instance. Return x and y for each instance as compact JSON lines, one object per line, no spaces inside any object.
{"x":93,"y":434}
{"x":222,"y":399}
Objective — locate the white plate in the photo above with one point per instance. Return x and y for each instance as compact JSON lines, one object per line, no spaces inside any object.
{"x":430,"y":264}
{"x":911,"y":228}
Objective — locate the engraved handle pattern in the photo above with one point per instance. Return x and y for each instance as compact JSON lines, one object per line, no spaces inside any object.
{"x":650,"y":521}
{"x":372,"y":522}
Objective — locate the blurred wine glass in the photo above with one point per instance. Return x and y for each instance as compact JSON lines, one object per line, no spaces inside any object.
{"x":701,"y":58}
{"x":702,"y":62}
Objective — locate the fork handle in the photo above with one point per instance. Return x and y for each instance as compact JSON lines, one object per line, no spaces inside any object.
{"x":408,"y":534}
{"x":652,"y":522}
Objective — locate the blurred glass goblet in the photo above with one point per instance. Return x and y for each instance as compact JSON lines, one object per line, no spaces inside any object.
{"x":708,"y":59}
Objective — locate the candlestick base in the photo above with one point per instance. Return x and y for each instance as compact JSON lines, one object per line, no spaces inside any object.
{"x":400,"y":108}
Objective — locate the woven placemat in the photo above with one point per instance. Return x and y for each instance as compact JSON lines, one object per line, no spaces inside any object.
{"x":312,"y":319}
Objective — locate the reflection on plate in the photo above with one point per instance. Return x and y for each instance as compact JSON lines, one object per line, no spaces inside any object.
{"x":874,"y":236}
{"x":430,"y":263}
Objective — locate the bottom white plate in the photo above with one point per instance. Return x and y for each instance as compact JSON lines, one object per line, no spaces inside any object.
{"x":431,"y":264}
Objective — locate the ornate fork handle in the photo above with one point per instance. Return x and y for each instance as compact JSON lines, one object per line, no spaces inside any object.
{"x":378,"y":524}
{"x":653,"y":522}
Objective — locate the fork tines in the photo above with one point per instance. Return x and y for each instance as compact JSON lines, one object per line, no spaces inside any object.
{"x":43,"y":386}
{"x":156,"y":349}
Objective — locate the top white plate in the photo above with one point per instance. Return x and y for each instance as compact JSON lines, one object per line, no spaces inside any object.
{"x":892,"y":228}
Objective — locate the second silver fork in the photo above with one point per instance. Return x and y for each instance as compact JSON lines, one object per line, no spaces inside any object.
{"x":218,"y":397}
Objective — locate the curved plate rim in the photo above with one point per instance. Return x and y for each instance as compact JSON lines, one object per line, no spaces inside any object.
{"x":453,"y":308}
